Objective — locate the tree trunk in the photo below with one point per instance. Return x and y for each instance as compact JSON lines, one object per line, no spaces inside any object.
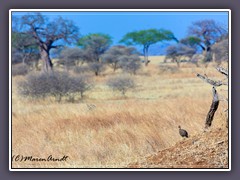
{"x":47,"y":63}
{"x":24,"y":60}
{"x":178,"y":63}
{"x":213,"y":108}
{"x":207,"y":53}
{"x":144,"y":53}
{"x":146,"y":56}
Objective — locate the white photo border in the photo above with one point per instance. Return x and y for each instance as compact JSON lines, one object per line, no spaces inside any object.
{"x":118,"y":169}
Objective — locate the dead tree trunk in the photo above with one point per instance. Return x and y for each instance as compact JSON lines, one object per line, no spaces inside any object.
{"x":213,"y":108}
{"x":215,"y":101}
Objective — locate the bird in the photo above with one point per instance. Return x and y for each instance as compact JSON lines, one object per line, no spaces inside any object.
{"x":91,"y":107}
{"x":183,"y":132}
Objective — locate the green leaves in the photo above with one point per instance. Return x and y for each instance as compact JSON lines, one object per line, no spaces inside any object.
{"x":147,"y":37}
{"x":95,"y":44}
{"x":191,"y":41}
{"x":95,"y":38}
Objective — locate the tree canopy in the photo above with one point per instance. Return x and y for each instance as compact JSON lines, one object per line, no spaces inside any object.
{"x":47,"y":34}
{"x":122,"y":57}
{"x":146,"y":38}
{"x":24,"y":48}
{"x":96,"y":44}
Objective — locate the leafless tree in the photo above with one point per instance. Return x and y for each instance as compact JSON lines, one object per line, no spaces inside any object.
{"x":72,"y":57}
{"x":122,"y":57}
{"x":46,"y":33}
{"x":176,"y":52}
{"x":216,"y":99}
{"x":208,"y":32}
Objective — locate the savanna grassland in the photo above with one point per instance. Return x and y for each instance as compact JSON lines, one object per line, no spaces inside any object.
{"x":105,"y":129}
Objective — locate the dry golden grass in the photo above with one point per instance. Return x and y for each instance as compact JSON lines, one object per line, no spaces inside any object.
{"x":117,"y":130}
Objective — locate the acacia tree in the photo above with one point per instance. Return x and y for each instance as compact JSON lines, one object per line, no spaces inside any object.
{"x":191,"y":41}
{"x":47,"y":33}
{"x":205,"y":33}
{"x":95,"y":44}
{"x":146,"y":38}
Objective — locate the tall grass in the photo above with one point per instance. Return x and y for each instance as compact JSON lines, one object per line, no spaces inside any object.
{"x":107,"y":130}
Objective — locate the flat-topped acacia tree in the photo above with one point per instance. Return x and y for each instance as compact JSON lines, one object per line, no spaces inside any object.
{"x":48,"y":34}
{"x":146,"y":38}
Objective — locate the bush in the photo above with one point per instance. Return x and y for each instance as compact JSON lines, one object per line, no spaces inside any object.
{"x":35,"y":86}
{"x":132,"y":65}
{"x":79,"y":84}
{"x":57,"y":84}
{"x":121,"y":83}
{"x":19,"y":69}
{"x":80,"y":69}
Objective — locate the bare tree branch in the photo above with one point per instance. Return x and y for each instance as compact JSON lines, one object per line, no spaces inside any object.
{"x":222,"y":70}
{"x":210,"y":81}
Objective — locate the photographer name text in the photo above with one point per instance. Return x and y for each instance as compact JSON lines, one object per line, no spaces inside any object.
{"x":50,"y":158}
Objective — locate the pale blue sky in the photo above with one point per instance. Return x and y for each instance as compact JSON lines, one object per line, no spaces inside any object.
{"x":117,"y":24}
